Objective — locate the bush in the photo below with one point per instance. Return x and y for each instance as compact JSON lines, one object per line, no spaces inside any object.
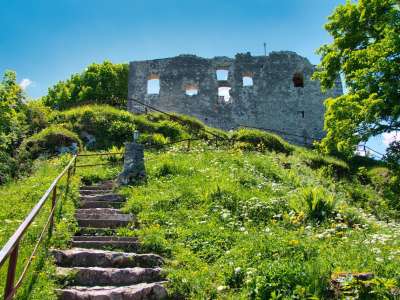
{"x":317,"y":204}
{"x":49,"y":141}
{"x":262,"y":140}
{"x":107,"y":126}
{"x":155,"y":140}
{"x":316,"y":160}
{"x":37,"y":116}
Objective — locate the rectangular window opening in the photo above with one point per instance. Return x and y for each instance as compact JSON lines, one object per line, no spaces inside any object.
{"x":224,"y":93}
{"x":247,"y":81}
{"x":153,"y":86}
{"x":222,"y":75}
{"x":192,"y":91}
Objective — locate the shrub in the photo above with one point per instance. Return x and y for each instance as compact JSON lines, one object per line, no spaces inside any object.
{"x":109,"y":126}
{"x":262,"y":140}
{"x":155,"y":140}
{"x":37,"y":116}
{"x":317,"y":160}
{"x":49,"y":141}
{"x":318,"y":205}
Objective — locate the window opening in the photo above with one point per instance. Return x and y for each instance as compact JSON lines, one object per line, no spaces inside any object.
{"x":222,"y":75}
{"x":223,"y":93}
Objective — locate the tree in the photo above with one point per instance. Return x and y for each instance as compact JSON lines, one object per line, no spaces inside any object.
{"x":12,"y":123}
{"x":105,"y":83}
{"x":366,"y":52}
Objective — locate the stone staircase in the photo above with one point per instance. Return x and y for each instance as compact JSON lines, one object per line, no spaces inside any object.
{"x":102,"y":266}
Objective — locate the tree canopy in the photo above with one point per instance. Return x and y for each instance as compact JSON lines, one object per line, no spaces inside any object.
{"x":104,"y":83}
{"x":366,"y":52}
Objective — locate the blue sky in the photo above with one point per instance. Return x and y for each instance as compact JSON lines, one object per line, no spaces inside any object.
{"x":45,"y":41}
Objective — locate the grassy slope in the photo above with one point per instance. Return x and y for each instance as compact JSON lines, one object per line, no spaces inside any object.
{"x":17,"y":199}
{"x":237,"y":225}
{"x":234,"y":224}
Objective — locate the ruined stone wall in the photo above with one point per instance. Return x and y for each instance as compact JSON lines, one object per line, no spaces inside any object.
{"x":272,"y":102}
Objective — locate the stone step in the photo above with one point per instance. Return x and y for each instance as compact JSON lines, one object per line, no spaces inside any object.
{"x":94,"y":192}
{"x":79,"y":257}
{"x":101,"y":242}
{"x":102,"y":223}
{"x":96,"y":276}
{"x":104,"y":197}
{"x":105,"y":238}
{"x":90,"y":231}
{"x":99,"y":211}
{"x":100,"y":204}
{"x":141,"y":291}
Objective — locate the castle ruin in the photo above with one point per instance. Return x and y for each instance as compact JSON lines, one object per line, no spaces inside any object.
{"x":273,"y":92}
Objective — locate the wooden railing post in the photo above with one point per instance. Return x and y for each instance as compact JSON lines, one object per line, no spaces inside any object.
{"x":12,"y":265}
{"x":53,"y":204}
{"x":68,"y":180}
{"x":188,"y":145}
{"x":76,"y":158}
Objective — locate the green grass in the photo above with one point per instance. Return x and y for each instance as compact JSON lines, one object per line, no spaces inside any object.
{"x":18,"y":198}
{"x":235,"y":223}
{"x":239,"y":225}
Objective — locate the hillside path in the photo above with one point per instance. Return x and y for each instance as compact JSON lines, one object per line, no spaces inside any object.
{"x":101,"y":265}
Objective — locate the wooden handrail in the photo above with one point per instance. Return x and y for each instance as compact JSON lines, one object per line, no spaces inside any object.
{"x":10,"y":249}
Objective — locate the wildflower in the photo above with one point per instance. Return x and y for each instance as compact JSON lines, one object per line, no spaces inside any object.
{"x":294,"y":242}
{"x":221,"y":288}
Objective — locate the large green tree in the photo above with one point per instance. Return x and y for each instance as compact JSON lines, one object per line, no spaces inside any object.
{"x":365,"y":52}
{"x":104,"y":83}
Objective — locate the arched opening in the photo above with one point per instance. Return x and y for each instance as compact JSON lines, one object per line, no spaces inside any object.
{"x":153,"y":85}
{"x":298,"y":80}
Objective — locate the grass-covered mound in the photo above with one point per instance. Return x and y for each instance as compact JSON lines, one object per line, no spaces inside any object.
{"x":52,"y":140}
{"x":254,"y":139}
{"x":113,"y":127}
{"x":259,"y":225}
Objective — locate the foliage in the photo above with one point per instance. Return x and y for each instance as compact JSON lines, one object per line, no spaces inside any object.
{"x":104,"y":83}
{"x":317,"y":204}
{"x":37,"y":115}
{"x":109,"y":126}
{"x":317,"y":160}
{"x":262,"y":140}
{"x":49,"y":141}
{"x":392,"y":156}
{"x":12,"y":123}
{"x":365,"y":50}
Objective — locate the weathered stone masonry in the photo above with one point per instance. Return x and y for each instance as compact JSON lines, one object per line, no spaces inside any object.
{"x":282,"y":96}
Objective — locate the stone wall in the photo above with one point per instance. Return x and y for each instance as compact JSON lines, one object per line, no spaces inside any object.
{"x":272,"y":102}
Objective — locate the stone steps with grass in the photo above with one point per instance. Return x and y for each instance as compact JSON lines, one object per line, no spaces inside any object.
{"x":101,"y":265}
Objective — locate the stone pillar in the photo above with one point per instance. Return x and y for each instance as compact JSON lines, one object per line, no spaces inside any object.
{"x":134,"y":170}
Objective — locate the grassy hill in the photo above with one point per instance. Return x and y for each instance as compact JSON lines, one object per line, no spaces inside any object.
{"x":257,"y":219}
{"x":239,"y":224}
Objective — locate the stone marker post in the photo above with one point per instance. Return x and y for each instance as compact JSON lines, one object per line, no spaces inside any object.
{"x":134,"y":170}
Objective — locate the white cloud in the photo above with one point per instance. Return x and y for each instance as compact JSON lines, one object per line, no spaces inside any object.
{"x":389,"y":137}
{"x":25,"y":83}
